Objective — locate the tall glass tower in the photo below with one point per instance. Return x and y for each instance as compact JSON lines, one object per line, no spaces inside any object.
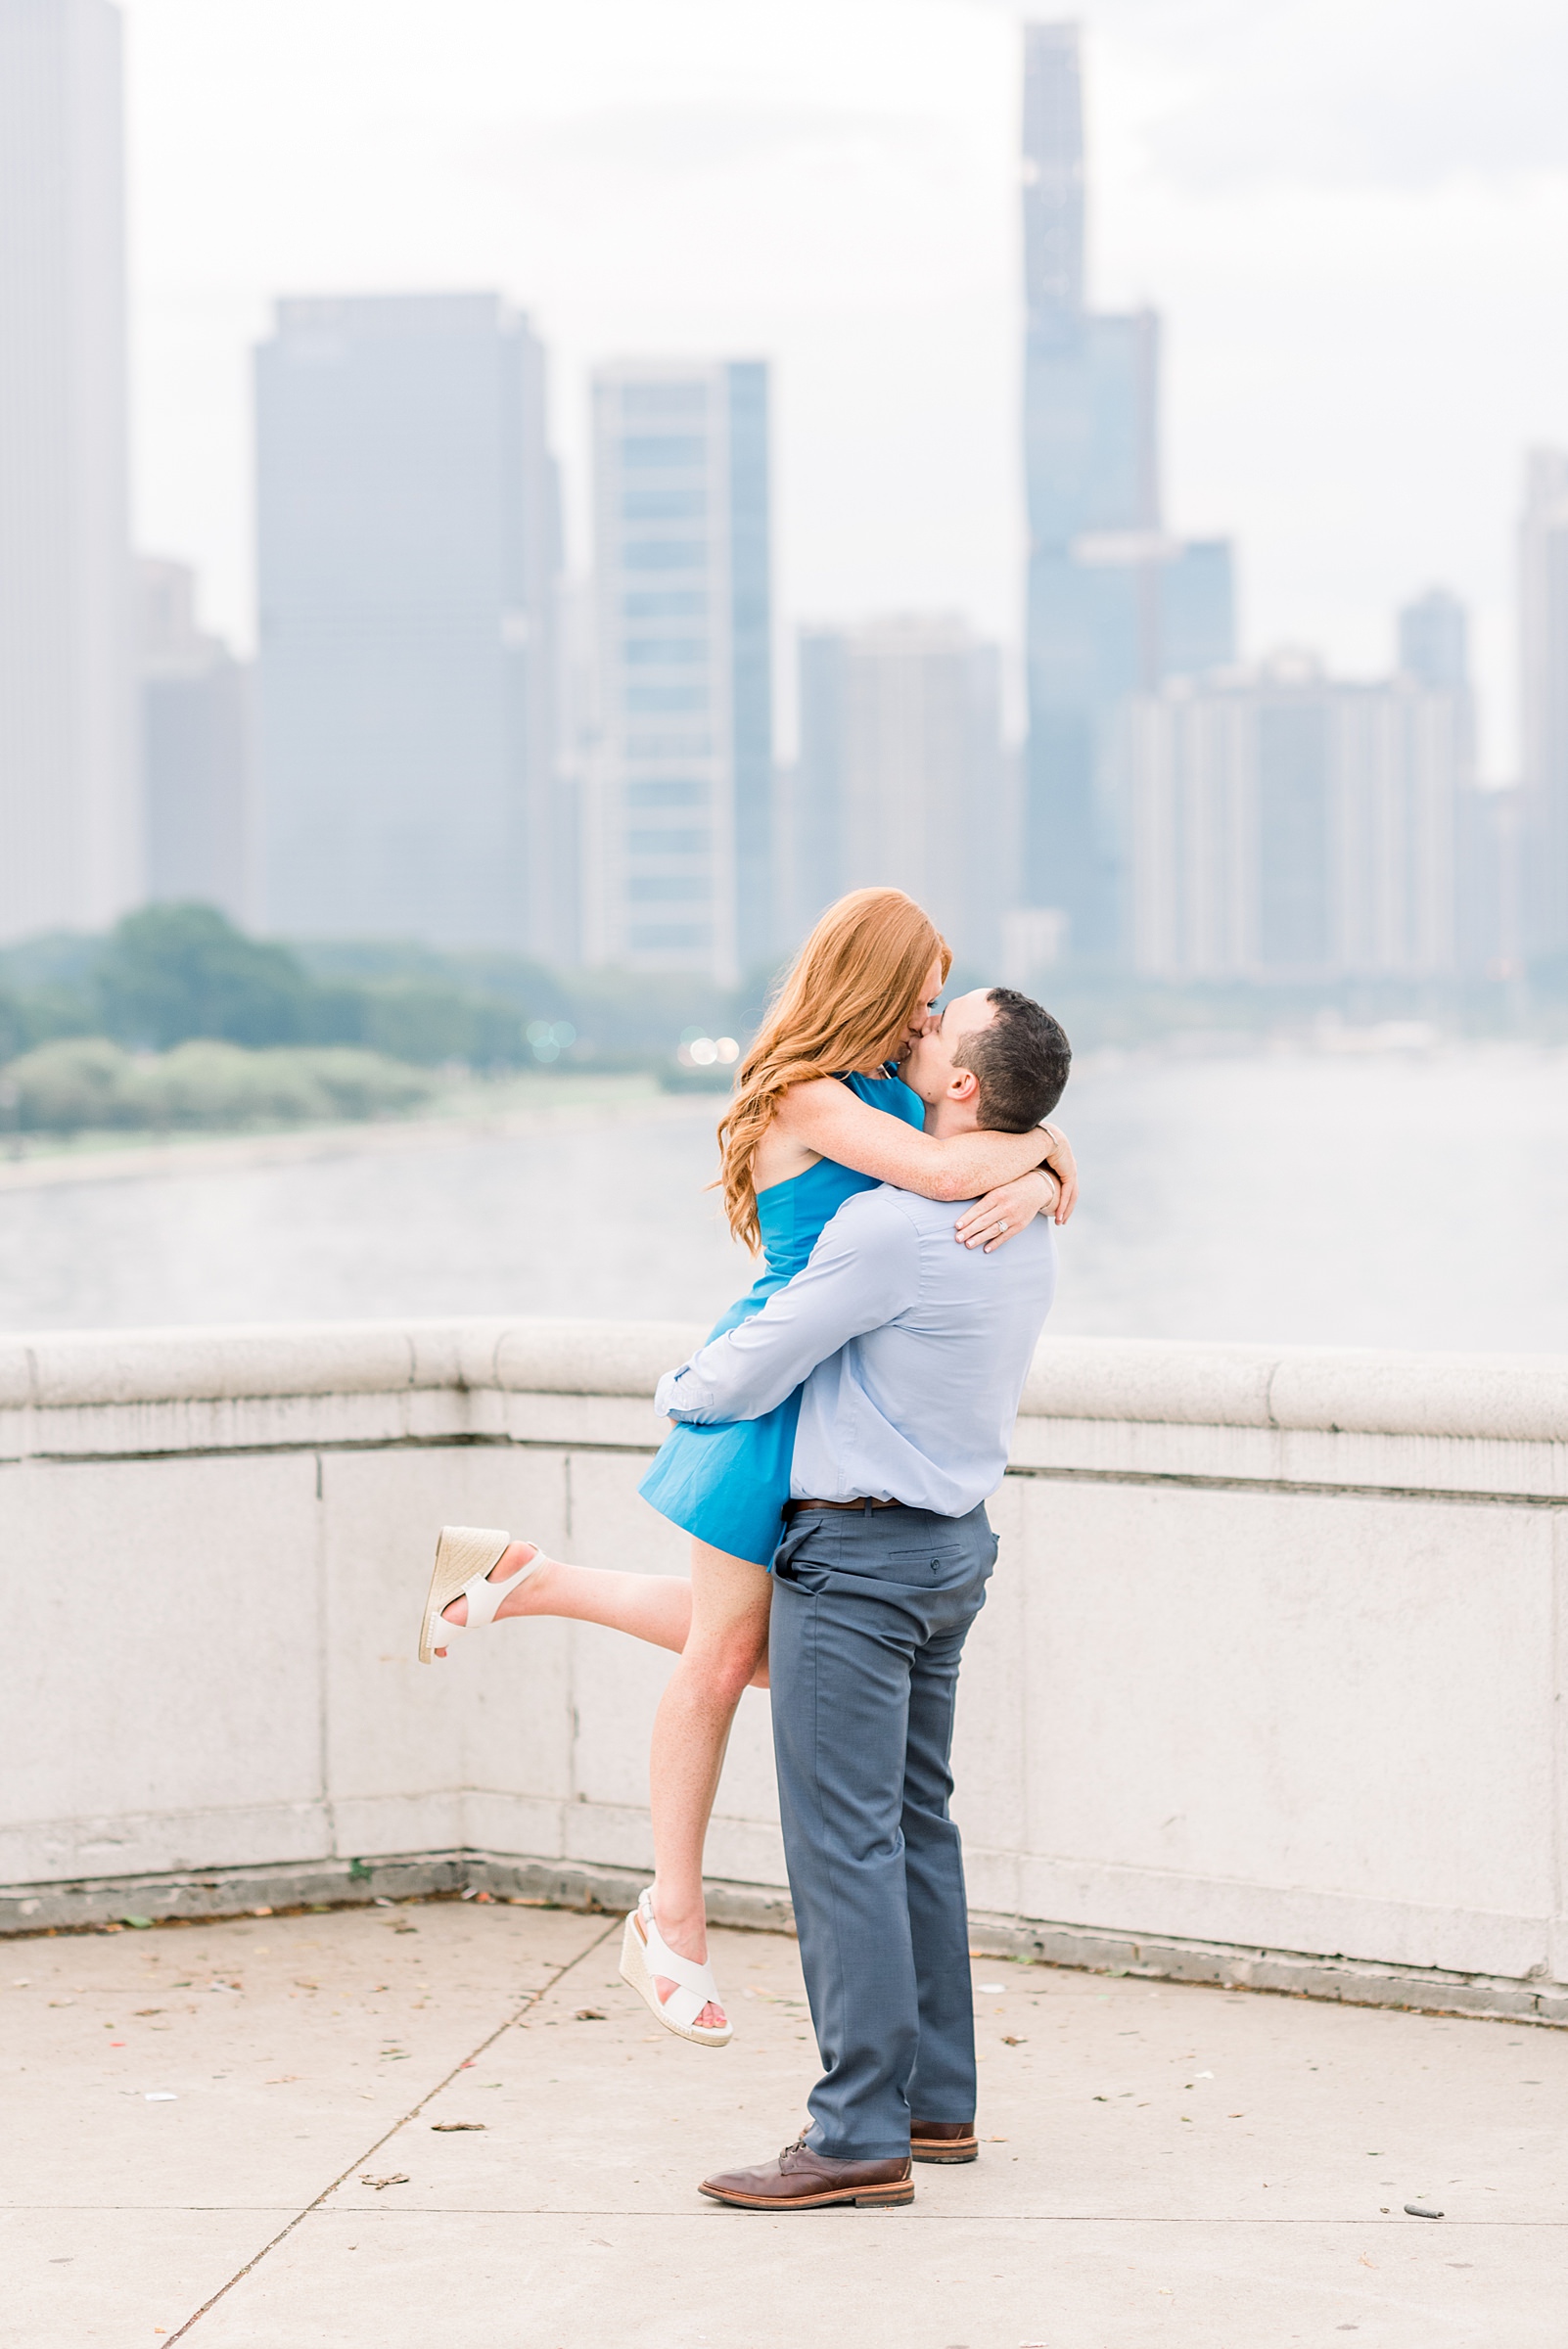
{"x":408,"y":555}
{"x":680,"y":858}
{"x":70,"y":845}
{"x":1114,"y":604}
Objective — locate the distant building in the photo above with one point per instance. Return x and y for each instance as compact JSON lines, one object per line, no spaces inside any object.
{"x":196,"y":751}
{"x":899,"y":775}
{"x":1434,"y":641}
{"x":1489,"y":890}
{"x":1434,"y":647}
{"x":70,"y":850}
{"x":1285,"y":825}
{"x":1544,"y":713}
{"x":408,"y":552}
{"x":678,"y":863}
{"x":1115,"y":604}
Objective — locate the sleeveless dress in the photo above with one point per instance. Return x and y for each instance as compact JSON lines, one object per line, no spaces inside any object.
{"x":728,"y":1483}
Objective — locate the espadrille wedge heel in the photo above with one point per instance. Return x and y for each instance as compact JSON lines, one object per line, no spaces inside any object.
{"x":464,"y":1557}
{"x":645,"y":1956}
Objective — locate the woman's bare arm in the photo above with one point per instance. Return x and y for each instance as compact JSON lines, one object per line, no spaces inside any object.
{"x":823,"y":1117}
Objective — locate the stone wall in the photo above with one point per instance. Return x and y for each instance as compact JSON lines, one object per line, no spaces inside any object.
{"x":1269,"y":1687}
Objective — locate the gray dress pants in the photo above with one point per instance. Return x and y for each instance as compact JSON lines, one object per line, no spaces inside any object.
{"x":869,"y":1614}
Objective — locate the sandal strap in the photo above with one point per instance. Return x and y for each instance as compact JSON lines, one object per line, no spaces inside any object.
{"x":695,"y":1987}
{"x":485,"y":1597}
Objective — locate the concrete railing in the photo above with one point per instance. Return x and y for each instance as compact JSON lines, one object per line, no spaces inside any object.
{"x":1269,"y":1687}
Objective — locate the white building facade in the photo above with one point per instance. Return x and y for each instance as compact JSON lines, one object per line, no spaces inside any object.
{"x":1283,"y":825}
{"x":70,"y":848}
{"x":678,"y":857}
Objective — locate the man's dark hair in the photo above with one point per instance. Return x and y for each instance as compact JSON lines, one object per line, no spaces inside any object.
{"x":1021,"y":1062}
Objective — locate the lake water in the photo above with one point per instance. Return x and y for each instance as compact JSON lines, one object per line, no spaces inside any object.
{"x":1296,"y":1197}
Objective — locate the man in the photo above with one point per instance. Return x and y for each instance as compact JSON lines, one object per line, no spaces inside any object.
{"x":913,"y":1355}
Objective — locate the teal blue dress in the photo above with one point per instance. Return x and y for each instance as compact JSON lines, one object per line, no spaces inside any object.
{"x":727,"y":1483}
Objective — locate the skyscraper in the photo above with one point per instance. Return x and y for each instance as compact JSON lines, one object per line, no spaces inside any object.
{"x":1114,"y":603}
{"x":678,"y":864}
{"x":898,"y":780}
{"x":69,"y":813}
{"x":1286,"y":825}
{"x":196,"y":751}
{"x":408,"y":550}
{"x":1544,"y":695}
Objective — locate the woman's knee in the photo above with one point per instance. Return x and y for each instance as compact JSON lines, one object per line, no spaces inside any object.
{"x":727,"y":1664}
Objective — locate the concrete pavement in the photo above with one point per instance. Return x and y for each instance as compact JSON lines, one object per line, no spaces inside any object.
{"x":198,"y":2116}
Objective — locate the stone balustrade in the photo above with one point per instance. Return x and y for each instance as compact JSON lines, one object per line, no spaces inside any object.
{"x":1269,"y":1687}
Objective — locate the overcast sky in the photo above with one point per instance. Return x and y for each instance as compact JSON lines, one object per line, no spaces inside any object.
{"x":1353,"y":215}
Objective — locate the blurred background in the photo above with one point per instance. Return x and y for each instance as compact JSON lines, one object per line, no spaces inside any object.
{"x":506,"y":512}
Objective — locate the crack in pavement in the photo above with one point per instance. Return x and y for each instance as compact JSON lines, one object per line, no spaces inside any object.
{"x":401,"y":2122}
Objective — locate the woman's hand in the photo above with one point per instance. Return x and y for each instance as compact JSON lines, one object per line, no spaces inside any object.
{"x":1064,"y":1166}
{"x":993,"y":1221}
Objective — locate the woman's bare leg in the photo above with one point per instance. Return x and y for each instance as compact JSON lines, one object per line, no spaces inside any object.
{"x":655,"y":1607}
{"x":725,"y":1646}
{"x":716,"y":1623}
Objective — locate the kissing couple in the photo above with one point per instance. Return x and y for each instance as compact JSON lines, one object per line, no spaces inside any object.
{"x":834,"y":1444}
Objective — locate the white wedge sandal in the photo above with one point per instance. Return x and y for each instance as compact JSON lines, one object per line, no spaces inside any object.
{"x":464,"y":1557}
{"x":645,"y":1956}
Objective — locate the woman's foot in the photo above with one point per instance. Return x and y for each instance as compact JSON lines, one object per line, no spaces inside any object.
{"x":524,"y":1600}
{"x":688,"y":1938}
{"x":679,"y":1990}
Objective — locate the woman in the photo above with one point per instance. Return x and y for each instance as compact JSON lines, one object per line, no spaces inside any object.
{"x":817,"y":1114}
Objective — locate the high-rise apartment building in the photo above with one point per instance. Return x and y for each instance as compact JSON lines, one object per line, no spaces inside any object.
{"x":1543,"y":698}
{"x":1115,"y":602}
{"x":196,"y":751}
{"x":70,"y":812}
{"x":408,"y":552}
{"x":1285,"y":825}
{"x":678,"y":861}
{"x":898,"y":780}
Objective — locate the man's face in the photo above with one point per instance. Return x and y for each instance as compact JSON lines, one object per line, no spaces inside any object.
{"x":929,"y":1069}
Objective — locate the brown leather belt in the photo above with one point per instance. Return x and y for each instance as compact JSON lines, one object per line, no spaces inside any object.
{"x":791,"y":1508}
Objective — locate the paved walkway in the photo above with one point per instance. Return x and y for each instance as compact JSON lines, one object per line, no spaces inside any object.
{"x":451,"y":2123}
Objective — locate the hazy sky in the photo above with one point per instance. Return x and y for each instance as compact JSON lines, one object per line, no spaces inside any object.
{"x":1351,"y":214}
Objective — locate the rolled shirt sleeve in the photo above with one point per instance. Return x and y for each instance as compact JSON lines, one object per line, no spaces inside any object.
{"x":864,"y":1271}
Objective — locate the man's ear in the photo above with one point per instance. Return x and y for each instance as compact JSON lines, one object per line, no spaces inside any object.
{"x":965,"y":1085}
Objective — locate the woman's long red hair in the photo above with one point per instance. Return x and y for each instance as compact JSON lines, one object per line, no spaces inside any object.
{"x":846,"y":1003}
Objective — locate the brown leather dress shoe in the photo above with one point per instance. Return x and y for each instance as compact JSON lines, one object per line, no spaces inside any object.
{"x":944,"y":2141}
{"x":801,"y":2179}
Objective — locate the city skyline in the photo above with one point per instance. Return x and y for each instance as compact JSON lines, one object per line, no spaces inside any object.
{"x":624,"y":181}
{"x":414,"y":651}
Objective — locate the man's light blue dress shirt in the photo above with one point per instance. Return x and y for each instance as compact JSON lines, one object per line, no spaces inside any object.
{"x":912,"y":1350}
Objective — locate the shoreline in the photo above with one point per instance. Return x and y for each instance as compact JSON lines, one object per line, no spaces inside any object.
{"x":131,"y":1158}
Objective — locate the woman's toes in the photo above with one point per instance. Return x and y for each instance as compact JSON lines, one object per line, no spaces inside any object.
{"x":712,"y":2017}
